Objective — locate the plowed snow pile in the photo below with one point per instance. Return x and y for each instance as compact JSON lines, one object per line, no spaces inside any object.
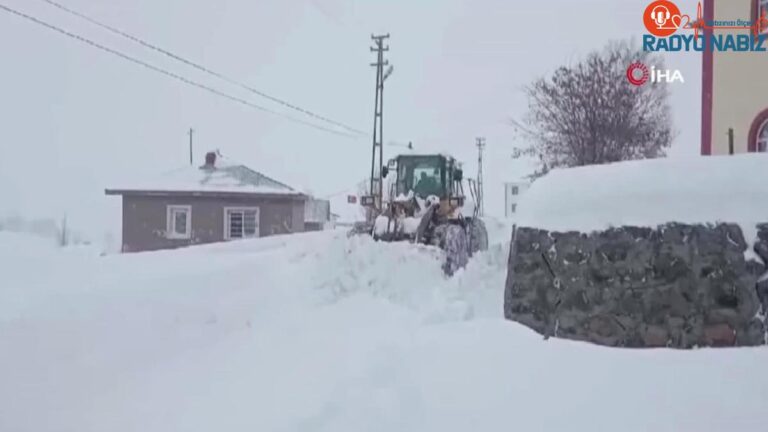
{"x":317,"y":332}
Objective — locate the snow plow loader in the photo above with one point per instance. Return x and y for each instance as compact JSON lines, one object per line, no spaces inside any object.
{"x":427,"y":205}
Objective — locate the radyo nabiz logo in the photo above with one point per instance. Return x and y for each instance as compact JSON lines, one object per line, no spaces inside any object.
{"x":666,"y":25}
{"x":639,"y":74}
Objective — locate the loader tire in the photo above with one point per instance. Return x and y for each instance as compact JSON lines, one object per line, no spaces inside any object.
{"x":478,"y":236}
{"x":453,"y":240}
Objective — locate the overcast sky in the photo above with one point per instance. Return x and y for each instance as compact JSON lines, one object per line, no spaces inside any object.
{"x":76,"y":120}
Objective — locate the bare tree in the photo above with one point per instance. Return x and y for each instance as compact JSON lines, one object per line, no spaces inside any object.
{"x":589,"y":113}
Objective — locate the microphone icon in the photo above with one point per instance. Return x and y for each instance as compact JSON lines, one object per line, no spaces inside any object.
{"x":662,"y":18}
{"x":660,"y":15}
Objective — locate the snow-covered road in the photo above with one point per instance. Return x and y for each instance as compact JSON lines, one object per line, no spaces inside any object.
{"x":317,"y":332}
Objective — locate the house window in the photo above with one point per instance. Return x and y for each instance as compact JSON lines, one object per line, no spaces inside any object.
{"x":762,"y":138}
{"x":513,"y":208}
{"x":241,"y":222}
{"x":515,"y":190}
{"x":178,"y":222}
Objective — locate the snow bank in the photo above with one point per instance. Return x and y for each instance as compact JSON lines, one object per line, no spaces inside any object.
{"x":650,"y":192}
{"x":317,"y":332}
{"x":13,"y":243}
{"x":48,"y":228}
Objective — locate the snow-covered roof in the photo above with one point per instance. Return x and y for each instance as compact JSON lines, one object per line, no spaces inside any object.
{"x":223,"y":176}
{"x":650,"y":192}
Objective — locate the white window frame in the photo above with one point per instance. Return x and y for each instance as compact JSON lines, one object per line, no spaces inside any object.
{"x":762,"y":143}
{"x":227,"y":210}
{"x":170,"y":221}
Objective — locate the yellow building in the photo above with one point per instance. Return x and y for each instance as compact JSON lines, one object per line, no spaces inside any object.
{"x":735,"y":84}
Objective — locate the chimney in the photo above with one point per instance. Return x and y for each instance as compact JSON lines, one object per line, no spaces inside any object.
{"x":210,"y":160}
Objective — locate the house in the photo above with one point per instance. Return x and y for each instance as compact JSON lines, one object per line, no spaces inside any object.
{"x":347,"y":210}
{"x":317,"y":214}
{"x":512,"y":192}
{"x":735,"y":84}
{"x":218,"y":201}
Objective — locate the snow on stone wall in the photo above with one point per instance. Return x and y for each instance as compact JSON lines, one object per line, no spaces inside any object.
{"x":649,"y":193}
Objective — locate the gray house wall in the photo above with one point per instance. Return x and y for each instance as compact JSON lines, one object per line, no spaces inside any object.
{"x":145,"y":218}
{"x":317,"y":214}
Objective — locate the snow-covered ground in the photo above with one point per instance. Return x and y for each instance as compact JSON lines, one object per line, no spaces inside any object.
{"x":318,"y":332}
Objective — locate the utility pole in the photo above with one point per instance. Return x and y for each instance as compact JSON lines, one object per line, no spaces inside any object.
{"x":191,"y":132}
{"x":64,"y":240}
{"x":730,"y":141}
{"x":480,"y":146}
{"x":377,"y":183}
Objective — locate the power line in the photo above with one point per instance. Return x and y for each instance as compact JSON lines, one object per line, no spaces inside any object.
{"x":200,"y":67}
{"x":166,"y":72}
{"x":341,"y":192}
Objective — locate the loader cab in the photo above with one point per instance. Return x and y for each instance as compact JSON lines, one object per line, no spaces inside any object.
{"x":426,"y":175}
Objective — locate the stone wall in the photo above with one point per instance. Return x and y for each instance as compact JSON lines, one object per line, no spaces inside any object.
{"x":676,"y":285}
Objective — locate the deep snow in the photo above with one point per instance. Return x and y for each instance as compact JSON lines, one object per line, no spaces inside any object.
{"x":650,"y":192}
{"x":318,"y":332}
